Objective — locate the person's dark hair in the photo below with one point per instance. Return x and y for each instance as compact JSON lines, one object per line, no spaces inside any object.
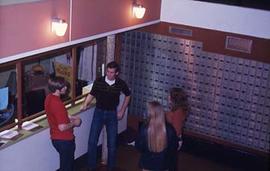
{"x":178,"y":99}
{"x":114,"y":65}
{"x":56,"y":83}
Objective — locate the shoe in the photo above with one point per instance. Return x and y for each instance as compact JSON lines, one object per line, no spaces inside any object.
{"x":180,"y":143}
{"x":115,"y":169}
{"x":131,"y":143}
{"x":103,"y":162}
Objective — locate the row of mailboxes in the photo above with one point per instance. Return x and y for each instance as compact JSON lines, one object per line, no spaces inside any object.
{"x":229,"y":97}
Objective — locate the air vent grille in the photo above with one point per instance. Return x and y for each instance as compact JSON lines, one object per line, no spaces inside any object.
{"x":180,"y":31}
{"x":238,"y":44}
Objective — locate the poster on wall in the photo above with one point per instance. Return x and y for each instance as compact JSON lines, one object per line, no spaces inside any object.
{"x":65,"y":71}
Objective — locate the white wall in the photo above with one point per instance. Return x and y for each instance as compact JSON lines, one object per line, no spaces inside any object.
{"x":220,"y":17}
{"x":37,"y":153}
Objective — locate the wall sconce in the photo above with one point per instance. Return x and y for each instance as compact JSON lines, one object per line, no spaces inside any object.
{"x":59,"y":26}
{"x":138,"y":11}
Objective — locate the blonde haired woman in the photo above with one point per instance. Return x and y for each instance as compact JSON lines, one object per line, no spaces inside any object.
{"x":157,"y":140}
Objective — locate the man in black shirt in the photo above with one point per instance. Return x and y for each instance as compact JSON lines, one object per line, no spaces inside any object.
{"x":107,"y":91}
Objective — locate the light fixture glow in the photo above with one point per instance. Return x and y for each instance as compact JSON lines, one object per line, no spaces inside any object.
{"x":138,"y":11}
{"x":59,"y":26}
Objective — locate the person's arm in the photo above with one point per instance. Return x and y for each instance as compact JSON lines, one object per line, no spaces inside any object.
{"x":123,"y":108}
{"x":64,"y":127}
{"x":168,"y":116}
{"x":140,"y":141}
{"x":173,"y":139}
{"x":90,"y":96}
{"x":87,"y":101}
{"x":74,"y":122}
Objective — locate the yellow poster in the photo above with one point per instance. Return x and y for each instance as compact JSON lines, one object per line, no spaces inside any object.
{"x":63,"y":71}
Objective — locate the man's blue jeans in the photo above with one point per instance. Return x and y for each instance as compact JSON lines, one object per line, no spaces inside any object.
{"x":109,"y":119}
{"x":66,"y":149}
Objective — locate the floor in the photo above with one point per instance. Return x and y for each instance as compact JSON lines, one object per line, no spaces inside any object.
{"x":193,"y":156}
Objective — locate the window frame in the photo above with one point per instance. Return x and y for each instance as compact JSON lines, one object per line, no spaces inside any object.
{"x":19,"y":64}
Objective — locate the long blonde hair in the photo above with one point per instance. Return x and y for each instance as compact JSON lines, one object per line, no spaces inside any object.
{"x":156,"y":132}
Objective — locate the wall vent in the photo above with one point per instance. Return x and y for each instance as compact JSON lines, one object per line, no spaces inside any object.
{"x":180,"y":31}
{"x":238,"y":44}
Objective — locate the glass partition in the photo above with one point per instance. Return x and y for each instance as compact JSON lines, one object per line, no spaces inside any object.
{"x":36,"y":74}
{"x":88,"y":66}
{"x":23,"y":83}
{"x":8,"y":92}
{"x":87,"y":60}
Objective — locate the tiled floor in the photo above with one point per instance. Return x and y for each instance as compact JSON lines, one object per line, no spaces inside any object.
{"x":194,"y":156}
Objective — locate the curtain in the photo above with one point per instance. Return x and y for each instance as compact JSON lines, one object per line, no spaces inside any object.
{"x":87,"y":64}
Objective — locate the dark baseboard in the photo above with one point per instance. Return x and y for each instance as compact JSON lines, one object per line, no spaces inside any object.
{"x":225,"y":155}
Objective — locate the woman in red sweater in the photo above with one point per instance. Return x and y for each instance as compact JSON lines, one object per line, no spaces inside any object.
{"x":176,"y":116}
{"x":178,"y":110}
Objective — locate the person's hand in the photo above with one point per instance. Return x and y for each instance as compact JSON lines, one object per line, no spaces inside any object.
{"x":76,"y":120}
{"x":120,"y":114}
{"x":83,"y":107}
{"x":87,"y":101}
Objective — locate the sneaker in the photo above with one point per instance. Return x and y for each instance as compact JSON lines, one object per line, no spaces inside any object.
{"x":131,"y":143}
{"x":180,"y":142}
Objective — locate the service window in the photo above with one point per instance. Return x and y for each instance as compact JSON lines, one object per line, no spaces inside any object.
{"x":87,"y":60}
{"x":8,"y":92}
{"x":36,"y":73}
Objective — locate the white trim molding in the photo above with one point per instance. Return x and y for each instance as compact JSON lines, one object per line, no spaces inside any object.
{"x":13,"y":2}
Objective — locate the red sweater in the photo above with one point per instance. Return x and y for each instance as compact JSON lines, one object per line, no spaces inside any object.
{"x":56,"y":115}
